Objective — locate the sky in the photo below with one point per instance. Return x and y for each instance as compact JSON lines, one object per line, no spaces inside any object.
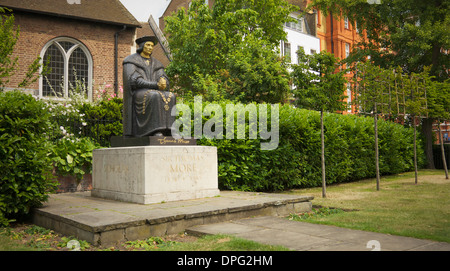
{"x":142,"y":9}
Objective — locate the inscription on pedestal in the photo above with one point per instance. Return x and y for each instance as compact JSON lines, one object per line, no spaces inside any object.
{"x":154,"y":174}
{"x":183,"y":167}
{"x":119,"y":141}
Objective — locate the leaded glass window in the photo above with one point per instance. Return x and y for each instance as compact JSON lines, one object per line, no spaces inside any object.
{"x":70,"y":66}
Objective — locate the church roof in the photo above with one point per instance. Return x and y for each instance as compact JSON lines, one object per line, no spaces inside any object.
{"x":103,"y":11}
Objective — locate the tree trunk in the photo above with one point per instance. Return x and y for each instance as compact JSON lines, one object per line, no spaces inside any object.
{"x":377,"y":163}
{"x":427,"y":129}
{"x":324,"y":185}
{"x":415,"y":150}
{"x":441,"y":140}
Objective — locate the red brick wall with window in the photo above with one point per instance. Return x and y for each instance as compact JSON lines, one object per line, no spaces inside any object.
{"x":37,"y":30}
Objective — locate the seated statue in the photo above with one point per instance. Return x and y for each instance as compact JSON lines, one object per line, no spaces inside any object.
{"x":147,"y":101}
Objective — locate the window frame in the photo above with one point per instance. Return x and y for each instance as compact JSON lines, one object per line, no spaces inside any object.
{"x":287,"y":51}
{"x":347,"y":49}
{"x":349,"y":97}
{"x":66,"y":56}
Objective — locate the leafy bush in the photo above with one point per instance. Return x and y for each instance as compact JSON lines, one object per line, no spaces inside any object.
{"x":349,"y":145}
{"x":73,"y":157}
{"x":105,"y":120}
{"x":67,"y":117}
{"x":25,"y":165}
{"x":349,"y":153}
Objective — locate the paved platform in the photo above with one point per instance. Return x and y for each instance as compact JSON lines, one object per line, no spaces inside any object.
{"x":102,"y":222}
{"x":302,"y":236}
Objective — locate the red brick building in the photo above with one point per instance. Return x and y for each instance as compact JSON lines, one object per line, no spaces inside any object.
{"x":338,"y":36}
{"x":91,"y":38}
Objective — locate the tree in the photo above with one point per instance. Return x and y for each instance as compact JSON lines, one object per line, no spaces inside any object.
{"x":412,"y":34}
{"x":8,"y":39}
{"x":438,"y":96}
{"x":394,"y":95}
{"x":319,"y":87}
{"x":230,"y":51}
{"x":9,"y":35}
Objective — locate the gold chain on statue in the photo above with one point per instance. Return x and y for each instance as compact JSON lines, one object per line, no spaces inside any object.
{"x":166,"y":100}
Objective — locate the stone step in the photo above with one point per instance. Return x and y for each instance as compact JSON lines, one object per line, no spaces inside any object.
{"x":105,"y":222}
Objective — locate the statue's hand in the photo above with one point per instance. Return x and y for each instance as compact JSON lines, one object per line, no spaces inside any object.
{"x":162,"y":84}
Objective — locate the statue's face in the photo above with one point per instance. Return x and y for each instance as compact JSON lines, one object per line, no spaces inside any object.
{"x":148,"y":48}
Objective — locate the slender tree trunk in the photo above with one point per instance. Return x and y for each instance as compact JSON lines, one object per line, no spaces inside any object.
{"x":377,"y":163}
{"x":415,"y":149}
{"x":324,"y":185}
{"x":441,"y":140}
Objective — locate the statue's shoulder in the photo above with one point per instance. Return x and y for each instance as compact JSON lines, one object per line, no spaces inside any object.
{"x":157,"y":63}
{"x":132,"y":59}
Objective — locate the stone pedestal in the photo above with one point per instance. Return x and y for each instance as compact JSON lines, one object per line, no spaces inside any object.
{"x":154,"y":174}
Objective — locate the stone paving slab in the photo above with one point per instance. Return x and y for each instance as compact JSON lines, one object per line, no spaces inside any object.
{"x":102,"y":221}
{"x":302,"y":236}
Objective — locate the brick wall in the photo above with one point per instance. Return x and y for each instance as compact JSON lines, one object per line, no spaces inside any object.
{"x":37,"y":30}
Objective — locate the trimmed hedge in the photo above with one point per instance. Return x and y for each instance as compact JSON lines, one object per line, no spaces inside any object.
{"x":437,"y":155}
{"x":349,"y":152}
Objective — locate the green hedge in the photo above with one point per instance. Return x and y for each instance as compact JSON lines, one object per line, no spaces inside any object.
{"x":437,"y":155}
{"x":349,"y":152}
{"x":25,"y":163}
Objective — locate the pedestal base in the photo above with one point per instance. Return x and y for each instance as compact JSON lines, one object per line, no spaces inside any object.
{"x":153,"y":174}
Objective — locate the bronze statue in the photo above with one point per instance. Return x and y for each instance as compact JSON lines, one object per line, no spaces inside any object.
{"x":147,"y":101}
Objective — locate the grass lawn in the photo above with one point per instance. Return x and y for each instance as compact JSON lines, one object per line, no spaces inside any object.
{"x":399,"y":208}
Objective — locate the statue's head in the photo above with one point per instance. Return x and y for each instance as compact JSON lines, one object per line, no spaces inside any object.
{"x":146,"y":44}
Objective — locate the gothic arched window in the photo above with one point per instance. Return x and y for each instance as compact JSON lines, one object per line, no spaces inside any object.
{"x":70,"y":69}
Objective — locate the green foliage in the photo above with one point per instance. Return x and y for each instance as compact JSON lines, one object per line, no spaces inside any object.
{"x":230,"y":51}
{"x":8,"y":39}
{"x":315,"y":213}
{"x":438,"y":99}
{"x":243,"y":165}
{"x":415,"y":32}
{"x":396,"y":94}
{"x":318,"y":85}
{"x":106,"y":120}
{"x":9,"y":35}
{"x":73,"y":157}
{"x":150,"y":244}
{"x":25,"y":165}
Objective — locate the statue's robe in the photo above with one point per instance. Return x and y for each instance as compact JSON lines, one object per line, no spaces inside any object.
{"x":146,"y":110}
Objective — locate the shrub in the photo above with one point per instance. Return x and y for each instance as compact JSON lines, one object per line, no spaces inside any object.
{"x":73,"y":157}
{"x":349,"y":152}
{"x":25,"y":165}
{"x":105,"y":120}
